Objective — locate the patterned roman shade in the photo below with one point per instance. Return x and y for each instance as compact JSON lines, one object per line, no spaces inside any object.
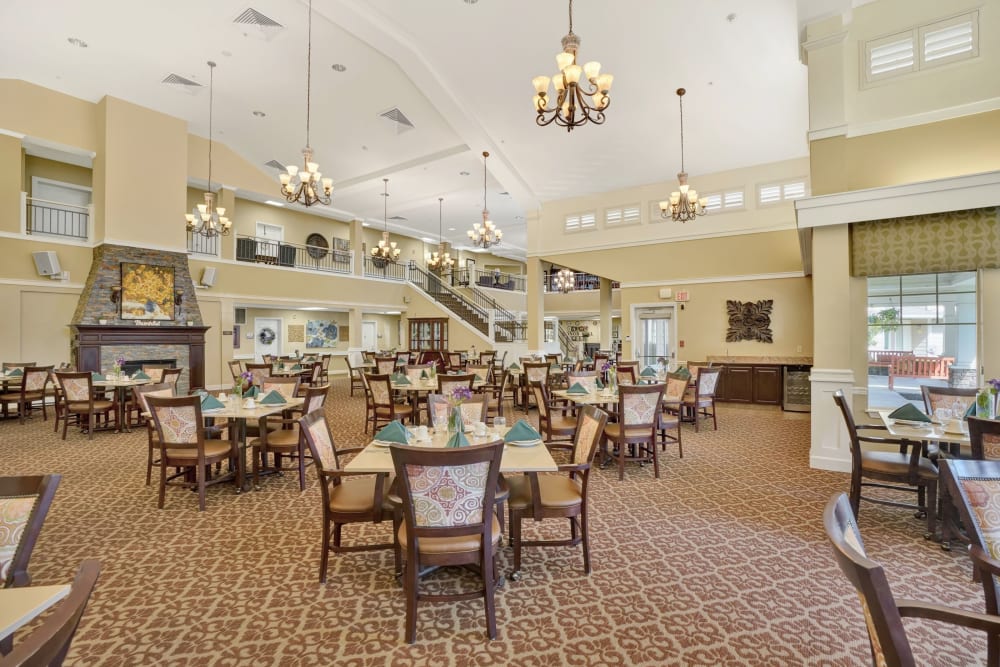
{"x":934,"y":243}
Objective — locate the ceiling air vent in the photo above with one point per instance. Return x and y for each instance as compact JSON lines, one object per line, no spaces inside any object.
{"x":397,"y":217}
{"x":185,"y":85}
{"x":274,"y":164}
{"x":397,"y":117}
{"x":257,"y":24}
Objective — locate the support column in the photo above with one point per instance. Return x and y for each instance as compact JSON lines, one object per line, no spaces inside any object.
{"x":605,"y":303}
{"x":354,"y":346}
{"x":357,"y":249}
{"x":11,"y":184}
{"x":227,"y":200}
{"x":536,"y":307}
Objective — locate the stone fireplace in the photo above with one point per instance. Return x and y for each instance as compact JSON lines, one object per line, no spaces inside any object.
{"x":102,"y":336}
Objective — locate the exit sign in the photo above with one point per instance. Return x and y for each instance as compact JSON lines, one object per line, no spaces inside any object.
{"x":682,"y":295}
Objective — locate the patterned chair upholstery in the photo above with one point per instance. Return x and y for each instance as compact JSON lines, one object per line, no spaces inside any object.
{"x":258,"y":373}
{"x":533,"y":372}
{"x":32,"y":390}
{"x":183,"y":446}
{"x":700,"y":401}
{"x":559,"y":496}
{"x":473,"y":410}
{"x":552,"y":422}
{"x":638,"y":418}
{"x":288,"y":387}
{"x":24,"y":503}
{"x":78,"y":400}
{"x":384,"y":407}
{"x":586,"y":379}
{"x":139,"y":394}
{"x":442,"y":527}
{"x":385,"y":365}
{"x":448,"y":383}
{"x":883,"y":615}
{"x":283,"y":437}
{"x":347,"y":498}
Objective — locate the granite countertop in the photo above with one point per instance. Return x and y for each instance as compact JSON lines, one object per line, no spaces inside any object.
{"x":776,"y":360}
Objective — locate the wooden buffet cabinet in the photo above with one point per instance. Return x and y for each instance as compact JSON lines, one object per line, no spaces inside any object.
{"x":754,"y":379}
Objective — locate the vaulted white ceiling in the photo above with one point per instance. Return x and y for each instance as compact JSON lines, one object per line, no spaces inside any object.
{"x":460,"y":71}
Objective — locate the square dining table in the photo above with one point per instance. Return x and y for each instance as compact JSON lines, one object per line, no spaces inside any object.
{"x":932,"y":432}
{"x":599,"y":397}
{"x":121,"y":386}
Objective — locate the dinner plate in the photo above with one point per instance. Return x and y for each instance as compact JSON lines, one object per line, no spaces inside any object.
{"x":525,"y":443}
{"x":383,"y":443}
{"x":960,"y":431}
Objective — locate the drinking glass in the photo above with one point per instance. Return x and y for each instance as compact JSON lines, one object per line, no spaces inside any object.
{"x":499,"y":424}
{"x":942,"y":415}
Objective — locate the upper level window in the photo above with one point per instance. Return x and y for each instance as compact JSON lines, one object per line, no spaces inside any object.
{"x":921,"y":47}
{"x":727,"y":200}
{"x":774,"y":193}
{"x":578,"y":222}
{"x":622,"y":215}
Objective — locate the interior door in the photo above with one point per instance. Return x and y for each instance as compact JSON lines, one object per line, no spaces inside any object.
{"x":369,"y":335}
{"x":655,"y":335}
{"x":267,"y":337}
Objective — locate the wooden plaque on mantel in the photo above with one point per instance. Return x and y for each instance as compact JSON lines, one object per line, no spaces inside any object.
{"x":91,"y":337}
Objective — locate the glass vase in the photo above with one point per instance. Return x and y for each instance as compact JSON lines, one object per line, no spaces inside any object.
{"x":455,"y":422}
{"x":985,"y":405}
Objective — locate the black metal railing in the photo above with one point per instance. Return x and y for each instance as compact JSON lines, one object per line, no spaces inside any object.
{"x":383,"y":268}
{"x":280,"y":253}
{"x":203,"y":245}
{"x":493,"y":279}
{"x":510,"y":331}
{"x":57,"y":219}
{"x":581,"y":282}
{"x":565,"y":341}
{"x":437,"y":288}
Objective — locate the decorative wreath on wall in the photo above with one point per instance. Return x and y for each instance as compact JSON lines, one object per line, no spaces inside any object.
{"x":750,"y":320}
{"x":266,"y":335}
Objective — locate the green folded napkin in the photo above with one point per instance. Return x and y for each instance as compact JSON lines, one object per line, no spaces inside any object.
{"x":599,"y":384}
{"x":588,"y":360}
{"x":458,"y":440}
{"x":402,"y":379}
{"x":209,"y":402}
{"x":273,"y":397}
{"x":140,"y":376}
{"x":423,"y":375}
{"x":96,"y":377}
{"x":909,"y":412}
{"x":554,"y":367}
{"x":577,"y":388}
{"x":648,"y":372}
{"x":522,"y":431}
{"x":682,"y":372}
{"x":296,"y":367}
{"x":971,"y":412}
{"x":16,"y":372}
{"x":394,"y":431}
{"x":514,"y":367}
{"x":252,"y":392}
{"x":477,"y":378}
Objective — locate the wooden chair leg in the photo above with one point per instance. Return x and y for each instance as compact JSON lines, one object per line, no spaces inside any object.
{"x":489,"y":591}
{"x":302,"y":467}
{"x":410,"y":573}
{"x":324,"y":558}
{"x":585,"y":538}
{"x":200,"y":473}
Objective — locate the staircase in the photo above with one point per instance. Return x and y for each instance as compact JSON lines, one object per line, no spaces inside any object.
{"x":566,"y":343}
{"x":476,"y":311}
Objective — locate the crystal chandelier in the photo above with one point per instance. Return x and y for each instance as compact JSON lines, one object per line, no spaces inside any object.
{"x":206,"y":219}
{"x":683,"y":205}
{"x":386,"y":251}
{"x":485,"y":234}
{"x":565,"y":281}
{"x":312,"y":188}
{"x":440,"y":260}
{"x":576,"y":104}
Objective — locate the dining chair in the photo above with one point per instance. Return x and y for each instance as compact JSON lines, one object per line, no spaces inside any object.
{"x":625,"y":373}
{"x":285,"y":438}
{"x":638,"y":413}
{"x":368,"y":356}
{"x":534,"y":371}
{"x":288,"y":387}
{"x":903,"y":470}
{"x":697,"y":401}
{"x":553,"y":423}
{"x":586,"y":379}
{"x":49,"y":641}
{"x":258,"y":372}
{"x":484,"y":371}
{"x":310,"y":377}
{"x":354,"y":374}
{"x":448,"y":383}
{"x":558,"y":496}
{"x":437,"y":531}
{"x":455,"y":363}
{"x":385,"y":365}
{"x":495,"y":394}
{"x":34,"y":382}
{"x":947,"y":397}
{"x":78,"y":398}
{"x":487,"y":357}
{"x":384,"y":407}
{"x":324,"y":363}
{"x":24,"y":504}
{"x":438,"y":409}
{"x":235,"y":368}
{"x":347,"y":497}
{"x":139,"y":395}
{"x":183,"y":446}
{"x":883,"y":614}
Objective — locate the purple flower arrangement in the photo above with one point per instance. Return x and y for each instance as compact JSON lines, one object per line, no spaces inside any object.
{"x":994,"y":384}
{"x":459,"y":395}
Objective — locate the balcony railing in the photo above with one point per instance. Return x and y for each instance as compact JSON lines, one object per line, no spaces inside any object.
{"x":280,"y":253}
{"x":58,"y":219}
{"x":581,"y":282}
{"x":203,"y":245}
{"x":380,"y":268}
{"x":477,"y":278}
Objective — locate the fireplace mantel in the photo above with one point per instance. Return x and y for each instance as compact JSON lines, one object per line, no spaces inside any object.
{"x":89,"y":338}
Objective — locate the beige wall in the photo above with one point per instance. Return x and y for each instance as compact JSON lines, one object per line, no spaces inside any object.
{"x":11,"y":180}
{"x":299,"y":317}
{"x":36,"y":323}
{"x":55,"y":171}
{"x":42,"y":113}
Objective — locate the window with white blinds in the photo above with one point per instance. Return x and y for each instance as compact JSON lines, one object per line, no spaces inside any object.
{"x":622,"y":215}
{"x":775,"y":193}
{"x":580,"y":222}
{"x":922,"y":47}
{"x":727,"y":200}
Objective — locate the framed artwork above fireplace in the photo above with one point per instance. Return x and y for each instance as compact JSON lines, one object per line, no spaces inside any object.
{"x":147,"y":292}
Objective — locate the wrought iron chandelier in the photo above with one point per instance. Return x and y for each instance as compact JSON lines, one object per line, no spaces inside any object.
{"x":683,"y":205}
{"x":576,"y":104}
{"x":565,"y":281}
{"x":440,"y":260}
{"x":385,"y":252}
{"x":207,"y":219}
{"x":312,"y":188}
{"x":485,"y":234}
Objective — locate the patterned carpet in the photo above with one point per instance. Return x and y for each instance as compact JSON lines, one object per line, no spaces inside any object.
{"x":722,"y":561}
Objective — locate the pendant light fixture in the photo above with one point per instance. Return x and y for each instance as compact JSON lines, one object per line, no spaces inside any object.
{"x":207,"y":219}
{"x":385,"y":252}
{"x":485,"y":234}
{"x":684,"y":204}
{"x":440,"y":260}
{"x":564,"y":281}
{"x":312,"y":188}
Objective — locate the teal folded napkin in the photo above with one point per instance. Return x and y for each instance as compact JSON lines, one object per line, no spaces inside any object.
{"x":514,"y":367}
{"x":682,"y":372}
{"x":648,"y":372}
{"x":273,"y":397}
{"x":401,"y":379}
{"x":577,"y":388}
{"x":200,"y":393}
{"x":17,"y":372}
{"x":909,"y":412}
{"x":971,"y":412}
{"x":522,"y":431}
{"x":140,"y":376}
{"x":458,"y":440}
{"x":96,"y":377}
{"x":296,"y":367}
{"x":252,"y":392}
{"x":209,"y":402}
{"x":394,"y":431}
{"x":477,"y":378}
{"x":423,"y":375}
{"x":599,"y":384}
{"x":554,"y":367}
{"x":588,"y":360}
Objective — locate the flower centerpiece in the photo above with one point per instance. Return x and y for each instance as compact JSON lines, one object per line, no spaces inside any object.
{"x":119,"y":366}
{"x":457,"y":396}
{"x":241,"y":382}
{"x":611,"y":377}
{"x":986,"y":400}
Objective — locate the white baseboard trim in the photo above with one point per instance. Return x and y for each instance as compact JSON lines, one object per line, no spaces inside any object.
{"x":829,"y":463}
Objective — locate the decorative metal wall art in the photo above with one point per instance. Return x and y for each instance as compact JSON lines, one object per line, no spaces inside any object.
{"x":750,"y":320}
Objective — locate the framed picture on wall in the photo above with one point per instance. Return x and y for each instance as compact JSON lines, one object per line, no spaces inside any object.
{"x":147,"y":292}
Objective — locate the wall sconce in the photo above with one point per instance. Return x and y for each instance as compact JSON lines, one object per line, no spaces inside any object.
{"x":116,"y":294}
{"x":178,"y":297}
